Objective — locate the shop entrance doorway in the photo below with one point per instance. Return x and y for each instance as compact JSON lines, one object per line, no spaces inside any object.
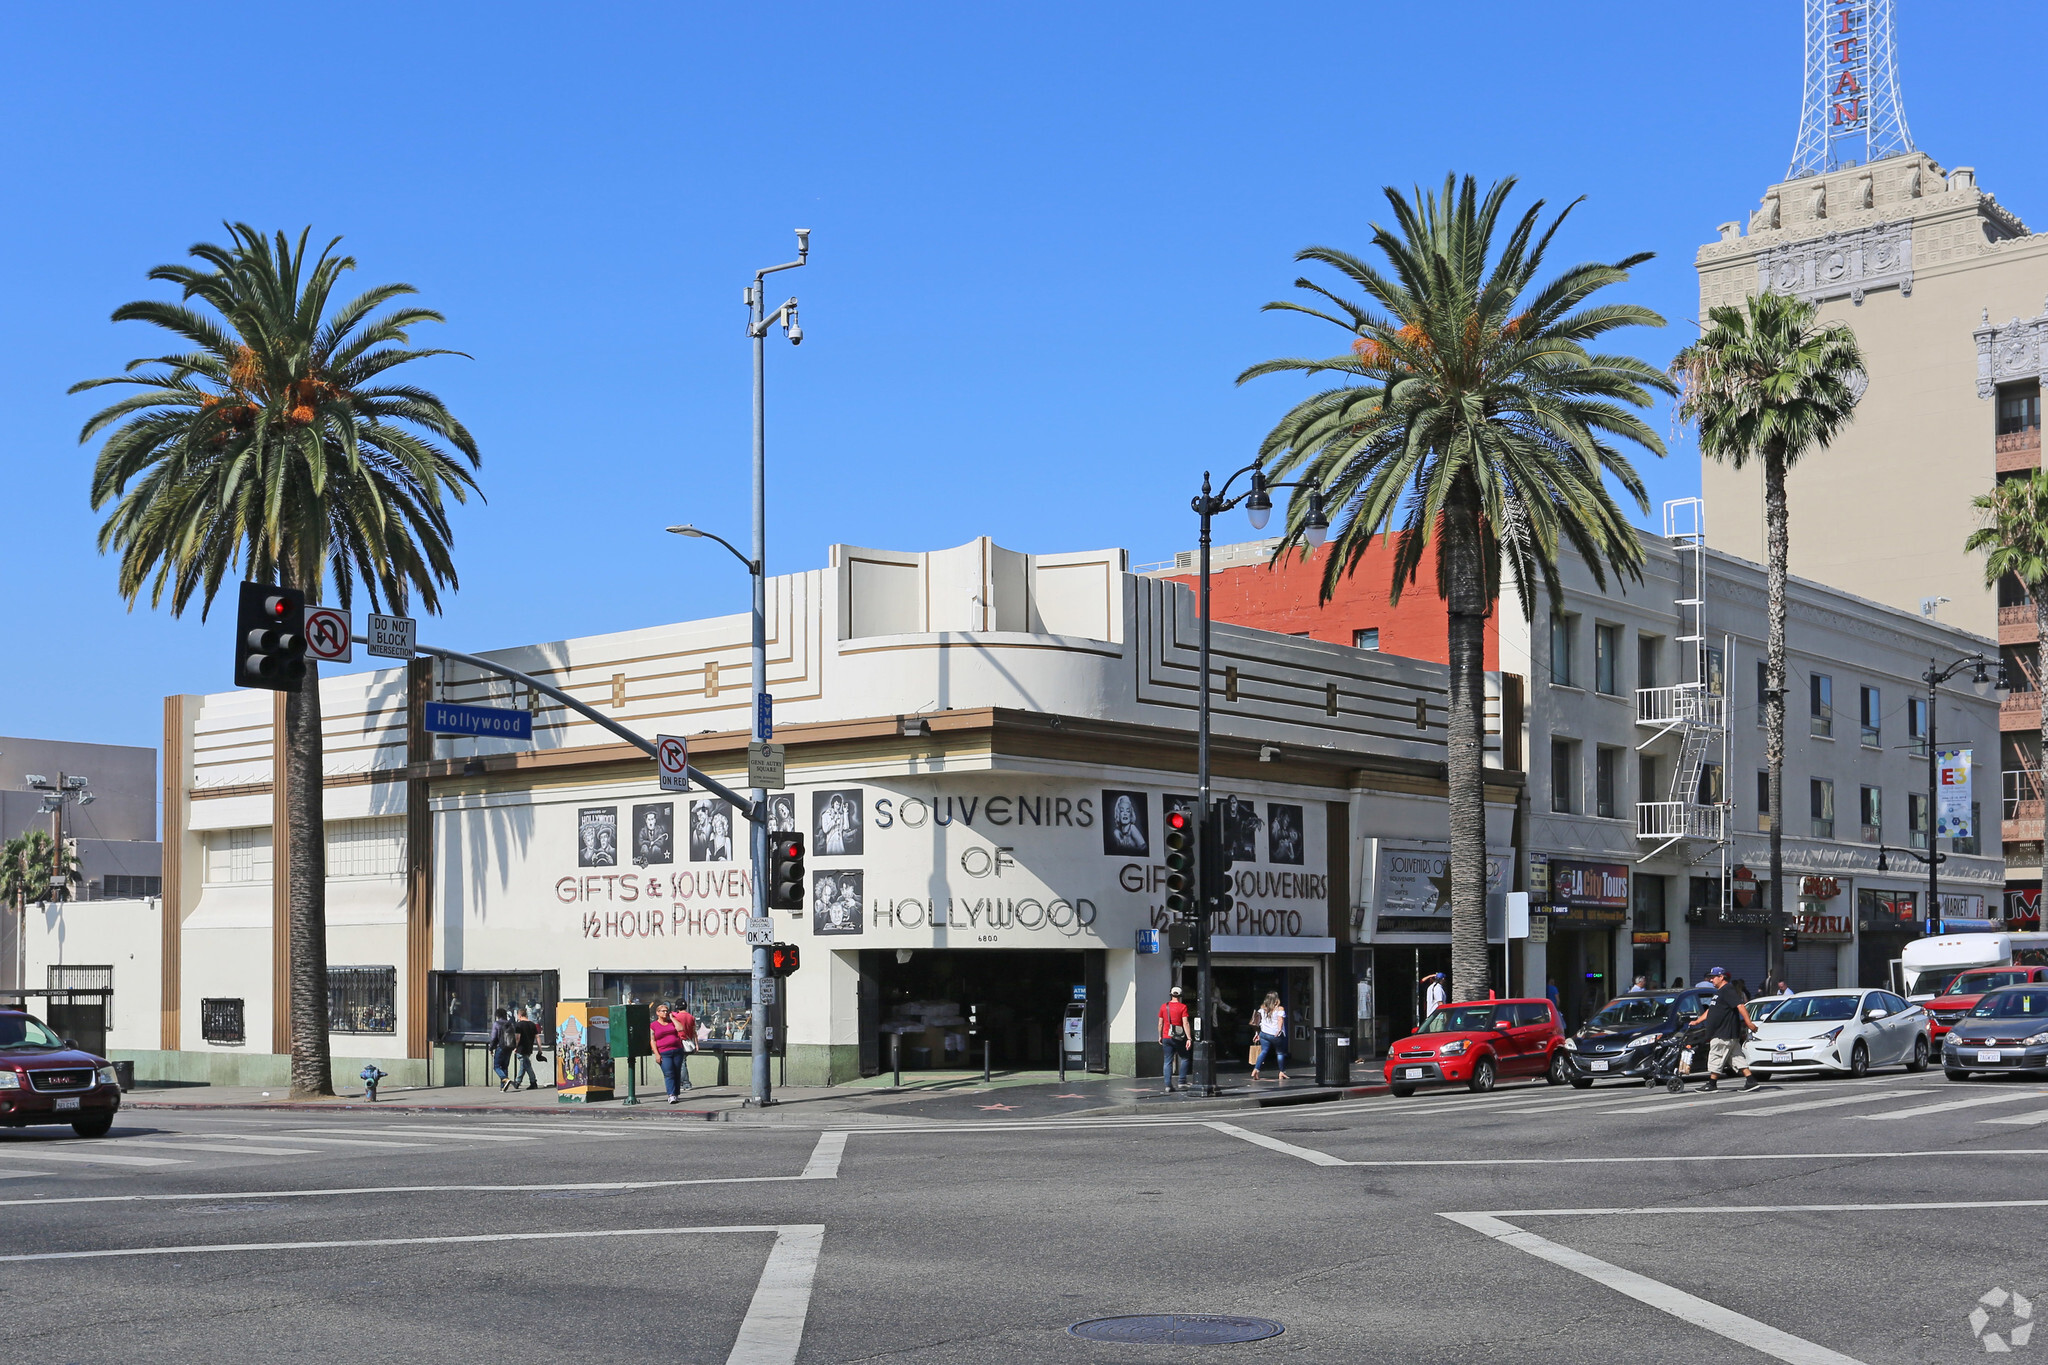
{"x":1582,"y":964}
{"x":1240,"y":989}
{"x":1022,"y":993}
{"x":1397,"y":972}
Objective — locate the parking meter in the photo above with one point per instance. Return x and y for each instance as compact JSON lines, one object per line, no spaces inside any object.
{"x":628,"y":1037}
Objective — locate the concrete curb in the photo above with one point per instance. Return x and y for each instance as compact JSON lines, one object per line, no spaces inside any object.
{"x":581,"y":1111}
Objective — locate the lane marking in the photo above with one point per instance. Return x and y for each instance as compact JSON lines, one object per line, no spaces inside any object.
{"x":2039,"y":1116}
{"x":824,"y":1162}
{"x":94,"y":1158}
{"x":1308,"y":1154}
{"x":1805,"y":1105}
{"x":770,"y":1333}
{"x":304,"y":1137}
{"x":1776,"y":1208}
{"x":1724,"y":1322}
{"x":170,"y":1145}
{"x":774,"y":1325}
{"x":1951,"y":1105}
{"x":435,"y":1134}
{"x":24,"y":1175}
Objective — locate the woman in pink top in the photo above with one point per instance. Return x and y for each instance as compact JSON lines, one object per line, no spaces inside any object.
{"x":675,"y":1038}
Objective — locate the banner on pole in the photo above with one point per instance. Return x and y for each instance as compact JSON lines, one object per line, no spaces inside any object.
{"x":1952,"y":794}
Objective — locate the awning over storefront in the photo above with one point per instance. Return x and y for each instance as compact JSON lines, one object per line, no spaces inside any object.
{"x":1261,"y":943}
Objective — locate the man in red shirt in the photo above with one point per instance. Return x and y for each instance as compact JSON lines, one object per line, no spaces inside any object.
{"x":1173,"y":1037}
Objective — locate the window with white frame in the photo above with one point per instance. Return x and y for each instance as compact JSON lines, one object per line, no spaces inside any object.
{"x":238,"y":855}
{"x":366,"y":848}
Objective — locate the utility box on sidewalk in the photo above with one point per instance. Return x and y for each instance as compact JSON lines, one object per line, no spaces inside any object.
{"x":583,"y":1054}
{"x":1333,"y":1056}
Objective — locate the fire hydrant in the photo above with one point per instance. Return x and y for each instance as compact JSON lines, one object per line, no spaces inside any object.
{"x":370,"y":1076}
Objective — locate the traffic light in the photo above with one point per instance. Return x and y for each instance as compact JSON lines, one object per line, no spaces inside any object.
{"x":1214,"y":862}
{"x":1791,"y":941}
{"x":270,"y":638}
{"x":786,"y":872}
{"x":1180,"y":863}
{"x":782,"y":959}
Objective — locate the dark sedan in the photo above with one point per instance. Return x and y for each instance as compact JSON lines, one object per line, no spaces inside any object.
{"x":44,"y":1079}
{"x":2005,"y":1031}
{"x":1613,"y":1044}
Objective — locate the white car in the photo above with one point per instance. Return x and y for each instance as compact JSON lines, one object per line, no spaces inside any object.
{"x":1847,"y":1031}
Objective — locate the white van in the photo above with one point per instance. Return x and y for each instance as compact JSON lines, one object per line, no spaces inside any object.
{"x":1929,"y":964}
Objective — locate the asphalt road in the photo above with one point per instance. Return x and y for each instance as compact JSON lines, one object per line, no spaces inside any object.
{"x":1815,"y":1221}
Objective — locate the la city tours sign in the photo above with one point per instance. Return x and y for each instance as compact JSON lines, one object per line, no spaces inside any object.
{"x":991,"y":863}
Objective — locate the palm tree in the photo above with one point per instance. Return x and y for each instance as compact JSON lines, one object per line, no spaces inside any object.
{"x":30,"y":865}
{"x":1770,"y":383}
{"x":1473,"y":413}
{"x":279,"y":446}
{"x":2015,"y":539}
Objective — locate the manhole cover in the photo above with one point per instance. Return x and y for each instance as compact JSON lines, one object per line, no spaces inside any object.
{"x":1177,"y":1329}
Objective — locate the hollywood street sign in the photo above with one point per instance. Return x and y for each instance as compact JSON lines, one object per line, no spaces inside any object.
{"x":484,"y":722}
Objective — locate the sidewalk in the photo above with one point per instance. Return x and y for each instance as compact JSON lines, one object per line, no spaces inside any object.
{"x":925,"y":1096}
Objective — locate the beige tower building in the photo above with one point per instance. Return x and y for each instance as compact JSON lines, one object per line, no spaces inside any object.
{"x":1947,"y":292}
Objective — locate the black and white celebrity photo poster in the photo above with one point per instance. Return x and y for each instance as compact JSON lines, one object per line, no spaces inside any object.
{"x":1283,"y":834}
{"x":597,"y":836}
{"x":1126,"y":824}
{"x":836,"y":830}
{"x":836,"y":902}
{"x":654,"y":834}
{"x":710,"y":832}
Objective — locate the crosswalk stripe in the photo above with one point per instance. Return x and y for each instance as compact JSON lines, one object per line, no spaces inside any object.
{"x":1804,"y":1105}
{"x":84,"y":1158}
{"x":2038,"y":1116}
{"x":1951,"y":1105}
{"x":21,"y":1175}
{"x":170,"y":1146}
{"x":302,"y":1137}
{"x":444,"y":1134}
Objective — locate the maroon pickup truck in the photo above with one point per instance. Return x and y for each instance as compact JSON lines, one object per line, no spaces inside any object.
{"x":44,"y":1079}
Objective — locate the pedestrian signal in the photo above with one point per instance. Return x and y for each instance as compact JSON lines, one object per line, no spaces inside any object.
{"x":786,"y":872}
{"x":1180,"y":863}
{"x":782,"y":959}
{"x":270,"y":638}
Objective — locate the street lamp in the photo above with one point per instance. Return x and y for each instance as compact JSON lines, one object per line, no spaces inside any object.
{"x":1314,"y":531}
{"x":1934,"y":677}
{"x":759,"y":321}
{"x":69,"y":789}
{"x":753,"y":565}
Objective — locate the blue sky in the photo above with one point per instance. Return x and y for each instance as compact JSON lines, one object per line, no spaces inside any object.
{"x":1042,"y":236}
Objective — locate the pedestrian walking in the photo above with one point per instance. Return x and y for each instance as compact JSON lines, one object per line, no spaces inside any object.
{"x":675,"y":1038}
{"x":1173,"y":1038}
{"x":1433,"y":993}
{"x":1271,"y":1021}
{"x":1725,"y":1025}
{"x":501,"y":1049}
{"x":1556,"y":1000}
{"x":525,"y":1036}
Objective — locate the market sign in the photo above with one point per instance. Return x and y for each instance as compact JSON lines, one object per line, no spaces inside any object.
{"x":1589,"y":893}
{"x":1745,"y":886}
{"x":1413,"y":891}
{"x":1819,"y":888}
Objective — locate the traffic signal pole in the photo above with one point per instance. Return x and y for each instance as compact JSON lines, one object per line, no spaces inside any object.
{"x":1204,"y":1046}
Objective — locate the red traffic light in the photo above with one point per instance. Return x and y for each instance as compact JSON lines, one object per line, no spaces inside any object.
{"x":1177,"y":819}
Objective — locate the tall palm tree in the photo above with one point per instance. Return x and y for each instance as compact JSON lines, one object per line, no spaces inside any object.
{"x":30,"y":865}
{"x":1473,"y":413}
{"x":2015,"y":538}
{"x":278,"y":445}
{"x":1769,"y":383}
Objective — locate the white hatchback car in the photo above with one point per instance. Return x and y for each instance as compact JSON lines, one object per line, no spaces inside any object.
{"x":1847,"y":1031}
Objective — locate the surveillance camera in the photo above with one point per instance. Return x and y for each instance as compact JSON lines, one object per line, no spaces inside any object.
{"x":796,"y":334}
{"x":803,"y":241}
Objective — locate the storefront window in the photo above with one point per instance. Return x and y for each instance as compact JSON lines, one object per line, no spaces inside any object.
{"x":466,"y":1002}
{"x":362,"y":999}
{"x":720,"y":1002}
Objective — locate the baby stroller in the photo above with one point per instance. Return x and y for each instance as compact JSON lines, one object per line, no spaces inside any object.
{"x":1664,"y":1064}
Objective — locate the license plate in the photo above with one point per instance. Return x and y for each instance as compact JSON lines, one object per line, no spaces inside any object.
{"x":1596,"y":1066}
{"x":1989,"y":1054}
{"x":1413,"y":1073}
{"x":67,"y":1104}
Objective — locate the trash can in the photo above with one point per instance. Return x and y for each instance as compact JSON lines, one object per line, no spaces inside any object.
{"x":124,"y":1072}
{"x":1333,"y":1056}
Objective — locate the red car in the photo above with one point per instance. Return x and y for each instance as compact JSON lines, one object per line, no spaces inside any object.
{"x":1478,"y":1043}
{"x":1960,"y":996}
{"x":44,"y":1079}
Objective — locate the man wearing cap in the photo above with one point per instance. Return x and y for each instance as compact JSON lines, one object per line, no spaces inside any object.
{"x":1173,"y":1037}
{"x":1726,"y":1026}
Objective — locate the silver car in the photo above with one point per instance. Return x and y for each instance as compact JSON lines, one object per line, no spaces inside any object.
{"x":1845,"y":1031}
